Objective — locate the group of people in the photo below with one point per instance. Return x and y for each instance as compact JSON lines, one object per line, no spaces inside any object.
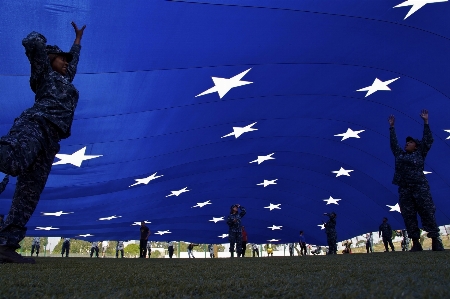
{"x":28,"y":150}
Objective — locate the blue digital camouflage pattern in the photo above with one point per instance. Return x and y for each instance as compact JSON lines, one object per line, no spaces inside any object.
{"x":65,"y":247}
{"x":414,"y":191}
{"x":4,"y":182}
{"x":330,"y":230}
{"x":56,"y":97}
{"x":409,"y":166}
{"x":416,"y":199}
{"x":235,"y":230}
{"x":385,"y":230}
{"x":29,"y":148}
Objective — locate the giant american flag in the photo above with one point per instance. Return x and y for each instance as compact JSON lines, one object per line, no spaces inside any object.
{"x":188,"y":107}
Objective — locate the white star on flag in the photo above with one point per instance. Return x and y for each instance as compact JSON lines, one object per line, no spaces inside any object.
{"x":349,"y":134}
{"x":342,"y":171}
{"x":238,"y":131}
{"x":273,"y":240}
{"x":109,"y":218}
{"x":274,"y":227}
{"x":223,"y":85}
{"x":377,"y":85}
{"x":217,"y":219}
{"x":223,"y":236}
{"x":146,"y":180}
{"x":176,"y":193}
{"x":57,"y":214}
{"x":263,"y":158}
{"x":75,"y":159}
{"x":139,"y":222}
{"x":332,"y":200}
{"x":267,"y":183}
{"x":202,"y":204}
{"x":45,"y":228}
{"x":162,"y":232}
{"x":426,"y":172}
{"x":416,"y":5}
{"x":395,"y":208}
{"x":322,"y":226}
{"x":272,"y":207}
{"x":448,"y":131}
{"x":86,"y":235}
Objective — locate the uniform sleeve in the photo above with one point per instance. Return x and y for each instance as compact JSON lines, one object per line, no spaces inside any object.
{"x":395,"y":147}
{"x":35,"y":44}
{"x":243,"y":212}
{"x":427,"y":140}
{"x":4,"y":183}
{"x":229,"y":220}
{"x":72,"y":68}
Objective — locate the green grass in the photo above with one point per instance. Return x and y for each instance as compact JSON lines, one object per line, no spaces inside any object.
{"x":380,"y":275}
{"x":379,"y":247}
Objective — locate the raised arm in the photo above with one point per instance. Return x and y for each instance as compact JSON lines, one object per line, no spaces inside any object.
{"x":243,"y":212}
{"x":4,"y":183}
{"x":35,"y":44}
{"x":427,"y":139}
{"x":75,"y":51}
{"x":395,"y":147}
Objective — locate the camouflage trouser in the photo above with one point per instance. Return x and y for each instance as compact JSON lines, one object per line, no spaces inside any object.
{"x":27,"y":151}
{"x":235,"y":238}
{"x":332,"y":240}
{"x":65,"y":248}
{"x":96,"y":251}
{"x":35,"y":247}
{"x":416,"y":199}
{"x":387,"y":241}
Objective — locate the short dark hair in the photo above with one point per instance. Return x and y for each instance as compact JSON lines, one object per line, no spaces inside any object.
{"x":301,"y":232}
{"x":385,"y":218}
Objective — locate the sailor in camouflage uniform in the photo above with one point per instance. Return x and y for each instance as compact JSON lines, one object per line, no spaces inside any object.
{"x":29,"y":148}
{"x":414,"y":191}
{"x":385,"y":230}
{"x":94,"y":248}
{"x":35,"y":245}
{"x":235,"y":229}
{"x":119,"y":247}
{"x":330,"y":230}
{"x":65,"y":247}
{"x":405,"y":240}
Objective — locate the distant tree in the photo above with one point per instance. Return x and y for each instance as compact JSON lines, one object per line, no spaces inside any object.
{"x":111,"y":250}
{"x":76,"y":246}
{"x":132,"y":250}
{"x":156,"y":254}
{"x":25,"y":244}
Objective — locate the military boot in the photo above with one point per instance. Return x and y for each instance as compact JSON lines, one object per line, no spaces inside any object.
{"x":9,"y":255}
{"x":436,"y":244}
{"x":416,"y":246}
{"x":232,"y":254}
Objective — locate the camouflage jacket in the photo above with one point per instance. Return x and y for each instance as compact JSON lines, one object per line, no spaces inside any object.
{"x":330,"y":225}
{"x":386,"y":230}
{"x":409,"y":166}
{"x":235,"y":226}
{"x":56,"y":97}
{"x":4,"y":183}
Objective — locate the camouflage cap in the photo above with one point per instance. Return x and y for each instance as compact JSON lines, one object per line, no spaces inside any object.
{"x":416,"y":141}
{"x":56,"y":50}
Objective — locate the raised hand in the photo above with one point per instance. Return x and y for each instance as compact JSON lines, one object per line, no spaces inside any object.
{"x":424,"y":115}
{"x":78,"y":32}
{"x":391,"y":120}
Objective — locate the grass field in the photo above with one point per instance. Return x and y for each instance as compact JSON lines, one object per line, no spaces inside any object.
{"x":379,"y":275}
